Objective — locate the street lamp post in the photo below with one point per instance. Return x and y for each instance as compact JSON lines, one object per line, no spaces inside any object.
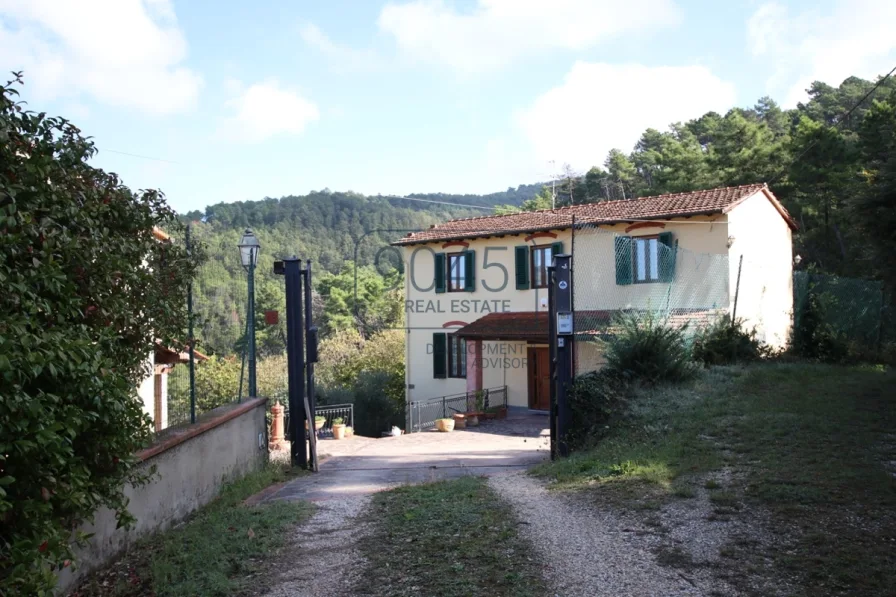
{"x":249,"y":247}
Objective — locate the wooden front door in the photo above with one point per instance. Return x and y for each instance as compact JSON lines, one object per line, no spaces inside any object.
{"x":539,"y":378}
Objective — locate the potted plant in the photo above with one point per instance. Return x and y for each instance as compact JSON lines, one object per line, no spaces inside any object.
{"x":445,"y":425}
{"x":338,"y":428}
{"x":319,"y":422}
{"x":349,"y":432}
{"x":460,"y":420}
{"x":472,"y":419}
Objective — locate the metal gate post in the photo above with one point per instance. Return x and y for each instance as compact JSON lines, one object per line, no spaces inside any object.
{"x":310,"y":338}
{"x":291,"y":269}
{"x":562,"y":340}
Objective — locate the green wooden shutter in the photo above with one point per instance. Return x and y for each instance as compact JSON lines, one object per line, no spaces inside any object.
{"x":556,"y":249}
{"x":470,"y":270}
{"x":522,"y":267}
{"x":668,"y":251}
{"x":623,"y":247}
{"x":440,"y":268}
{"x":440,"y":355}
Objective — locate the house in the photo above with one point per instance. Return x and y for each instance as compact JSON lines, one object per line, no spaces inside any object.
{"x":476,"y":288}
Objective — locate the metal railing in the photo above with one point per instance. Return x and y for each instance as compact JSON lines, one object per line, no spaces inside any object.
{"x":424,"y":413}
{"x":330,"y":411}
{"x":333,"y":411}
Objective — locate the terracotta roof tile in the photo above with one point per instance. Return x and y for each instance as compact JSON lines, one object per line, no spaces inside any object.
{"x":710,"y":201}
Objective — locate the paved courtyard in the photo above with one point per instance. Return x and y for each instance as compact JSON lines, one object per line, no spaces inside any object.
{"x":361,"y":465}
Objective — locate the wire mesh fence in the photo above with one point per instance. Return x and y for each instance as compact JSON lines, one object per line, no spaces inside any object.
{"x":855,"y":310}
{"x":649,"y":276}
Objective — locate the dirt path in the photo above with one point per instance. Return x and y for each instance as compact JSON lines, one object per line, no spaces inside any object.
{"x":322,"y":559}
{"x":588,"y":551}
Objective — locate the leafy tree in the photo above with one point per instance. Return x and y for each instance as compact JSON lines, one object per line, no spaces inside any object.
{"x":379,"y":301}
{"x":875,"y":206}
{"x":87,"y":289}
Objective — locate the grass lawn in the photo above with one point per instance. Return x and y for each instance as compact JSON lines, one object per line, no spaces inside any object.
{"x":220,"y":550}
{"x":811,"y":446}
{"x":443,"y":539}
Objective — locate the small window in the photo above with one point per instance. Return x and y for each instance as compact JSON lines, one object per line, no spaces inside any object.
{"x":541,"y":259}
{"x":457,"y":357}
{"x":457,"y":273}
{"x":646,"y":259}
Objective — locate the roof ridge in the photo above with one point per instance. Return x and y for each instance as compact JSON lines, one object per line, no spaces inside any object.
{"x":554,"y":210}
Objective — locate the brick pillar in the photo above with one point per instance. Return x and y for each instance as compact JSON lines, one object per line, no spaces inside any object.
{"x":474,"y":365}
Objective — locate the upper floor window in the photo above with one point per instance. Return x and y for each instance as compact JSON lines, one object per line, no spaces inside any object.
{"x":541,"y":259}
{"x":456,"y":272}
{"x":647,"y":259}
{"x":531,"y":264}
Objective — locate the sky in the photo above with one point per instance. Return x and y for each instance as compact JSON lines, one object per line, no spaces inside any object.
{"x":228,"y":100}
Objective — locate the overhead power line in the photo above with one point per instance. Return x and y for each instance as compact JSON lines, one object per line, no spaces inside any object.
{"x":136,"y":155}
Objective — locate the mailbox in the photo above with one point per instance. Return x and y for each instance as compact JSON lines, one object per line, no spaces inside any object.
{"x":564,"y":323}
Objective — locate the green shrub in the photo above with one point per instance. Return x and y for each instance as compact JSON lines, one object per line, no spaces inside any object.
{"x":335,"y":395}
{"x":375,"y":409}
{"x":595,"y":399}
{"x":87,"y":289}
{"x":814,"y":336}
{"x":646,"y":349}
{"x":726,"y":342}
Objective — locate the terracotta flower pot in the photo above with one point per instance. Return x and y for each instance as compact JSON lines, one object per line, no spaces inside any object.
{"x":445,"y":425}
{"x":349,"y":432}
{"x":460,"y":421}
{"x":339,"y":431}
{"x":318,"y":424}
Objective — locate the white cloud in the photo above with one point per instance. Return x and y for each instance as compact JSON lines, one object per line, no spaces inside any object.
{"x":119,"y":52}
{"x":848,"y":38}
{"x":602,"y":106}
{"x":264,"y":110}
{"x":496,"y":32}
{"x":343,"y":56}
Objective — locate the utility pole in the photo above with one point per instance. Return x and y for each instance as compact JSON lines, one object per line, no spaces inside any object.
{"x":561,"y":331}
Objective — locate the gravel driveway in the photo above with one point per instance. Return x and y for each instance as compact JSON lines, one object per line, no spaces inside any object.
{"x":588,"y":552}
{"x":322,"y":559}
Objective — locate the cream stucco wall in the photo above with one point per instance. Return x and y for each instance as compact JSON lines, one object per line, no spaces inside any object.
{"x":701,"y":268}
{"x":765,"y":298}
{"x":503,"y":363}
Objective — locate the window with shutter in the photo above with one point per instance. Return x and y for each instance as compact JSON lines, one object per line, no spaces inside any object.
{"x":439,"y":271}
{"x":521,"y":255}
{"x":439,"y":355}
{"x":623,"y":249}
{"x":457,"y":272}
